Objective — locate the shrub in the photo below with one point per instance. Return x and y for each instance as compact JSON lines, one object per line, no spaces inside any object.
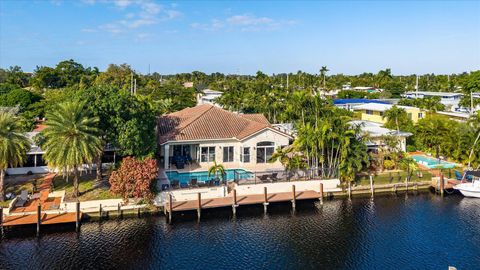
{"x":134,"y":178}
{"x":388,"y":164}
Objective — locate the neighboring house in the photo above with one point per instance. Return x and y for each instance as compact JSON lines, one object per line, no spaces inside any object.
{"x":450,"y":100}
{"x":34,"y":162}
{"x":286,"y":128}
{"x":206,"y":133}
{"x":188,"y":84}
{"x":349,"y":103}
{"x":376,"y":132}
{"x":374,"y":112}
{"x":208,"y":96}
{"x":458,"y":116}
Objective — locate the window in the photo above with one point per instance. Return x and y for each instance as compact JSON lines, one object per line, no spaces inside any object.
{"x":265,"y":151}
{"x":207,"y":154}
{"x":228,"y":154}
{"x":245,"y":154}
{"x":381,"y":113}
{"x":369,"y":112}
{"x":420,"y":115}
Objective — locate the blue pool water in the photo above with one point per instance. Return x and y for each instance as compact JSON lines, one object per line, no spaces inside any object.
{"x":185,"y":177}
{"x":433,"y":162}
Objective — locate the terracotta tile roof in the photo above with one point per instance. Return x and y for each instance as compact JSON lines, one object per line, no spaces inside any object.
{"x":208,"y":122}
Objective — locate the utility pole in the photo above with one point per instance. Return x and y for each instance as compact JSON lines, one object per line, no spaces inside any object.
{"x":416,"y":87}
{"x":287,"y":81}
{"x":131,"y":83}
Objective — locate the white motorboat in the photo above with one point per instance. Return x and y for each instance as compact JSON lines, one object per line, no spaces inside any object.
{"x":469,"y":189}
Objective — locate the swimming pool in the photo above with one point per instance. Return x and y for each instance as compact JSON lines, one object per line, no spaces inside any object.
{"x":432,"y":163}
{"x":185,"y":177}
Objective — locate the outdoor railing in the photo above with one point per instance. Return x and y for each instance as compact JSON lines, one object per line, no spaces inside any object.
{"x":274,"y":176}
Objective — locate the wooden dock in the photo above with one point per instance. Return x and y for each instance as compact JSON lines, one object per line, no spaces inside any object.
{"x":241,"y":200}
{"x":234,"y":201}
{"x":45,"y":219}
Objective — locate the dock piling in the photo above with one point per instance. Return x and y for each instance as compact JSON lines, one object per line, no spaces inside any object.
{"x":293,"y":197}
{"x":321,"y":193}
{"x":1,"y":222}
{"x":234,"y":205}
{"x":170,"y":207}
{"x":77,"y":216}
{"x":265,"y":200}
{"x":372,"y":189}
{"x":119,"y":210}
{"x":39,"y":218}
{"x":349,"y":189}
{"x":442,"y":184}
{"x":100,"y":211}
{"x":199,"y":209}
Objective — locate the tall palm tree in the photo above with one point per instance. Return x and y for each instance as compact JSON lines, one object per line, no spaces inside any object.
{"x":323,"y":73}
{"x":394,"y":114}
{"x":71,"y":139}
{"x":13,"y":146}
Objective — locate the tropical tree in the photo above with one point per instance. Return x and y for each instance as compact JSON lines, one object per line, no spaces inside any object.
{"x":71,"y":139}
{"x":13,"y":146}
{"x":323,"y":73}
{"x":410,"y":165}
{"x":216,"y":169}
{"x":394,"y":116}
{"x":134,"y":178}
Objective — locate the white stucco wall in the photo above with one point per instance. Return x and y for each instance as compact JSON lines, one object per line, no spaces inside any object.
{"x":277,"y":138}
{"x":328,"y":186}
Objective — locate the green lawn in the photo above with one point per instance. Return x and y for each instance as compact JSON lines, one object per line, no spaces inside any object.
{"x":392,"y":177}
{"x":16,"y":186}
{"x":86,"y":188}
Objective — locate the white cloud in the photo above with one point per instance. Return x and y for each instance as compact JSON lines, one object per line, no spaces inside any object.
{"x":243,"y":22}
{"x":140,"y":13}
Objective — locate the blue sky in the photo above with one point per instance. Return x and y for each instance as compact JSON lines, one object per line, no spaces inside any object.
{"x":243,"y":37}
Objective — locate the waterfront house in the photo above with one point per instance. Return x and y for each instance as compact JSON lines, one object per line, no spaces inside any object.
{"x":208,"y":96}
{"x":450,"y":100}
{"x":374,"y":112}
{"x":193,"y":138}
{"x":376,"y":132}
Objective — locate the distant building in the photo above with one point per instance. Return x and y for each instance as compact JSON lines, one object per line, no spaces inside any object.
{"x":349,"y":103}
{"x":208,"y":96}
{"x":450,"y":100}
{"x":376,"y":132}
{"x":374,"y":112}
{"x":458,"y":116}
{"x":188,"y":84}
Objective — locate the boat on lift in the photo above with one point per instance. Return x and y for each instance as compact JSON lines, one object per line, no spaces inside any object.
{"x":469,"y":189}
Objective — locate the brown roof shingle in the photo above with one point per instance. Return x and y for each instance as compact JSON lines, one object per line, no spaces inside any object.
{"x":208,"y":122}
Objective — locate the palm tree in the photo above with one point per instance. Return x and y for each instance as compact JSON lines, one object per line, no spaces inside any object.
{"x":384,"y":75}
{"x":216,"y":169}
{"x":394,"y":114}
{"x":13,"y":146}
{"x":323,"y":73}
{"x":71,"y":139}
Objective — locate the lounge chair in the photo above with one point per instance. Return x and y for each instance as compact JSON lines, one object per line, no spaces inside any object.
{"x":194,"y":182}
{"x":175,"y":183}
{"x":274,"y":177}
{"x":458,"y":175}
{"x":22,"y":199}
{"x":264,"y":178}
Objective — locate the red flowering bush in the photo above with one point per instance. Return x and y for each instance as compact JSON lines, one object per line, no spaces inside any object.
{"x":134,"y":178}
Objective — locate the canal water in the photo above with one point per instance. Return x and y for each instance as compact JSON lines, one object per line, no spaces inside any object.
{"x":420,"y":231}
